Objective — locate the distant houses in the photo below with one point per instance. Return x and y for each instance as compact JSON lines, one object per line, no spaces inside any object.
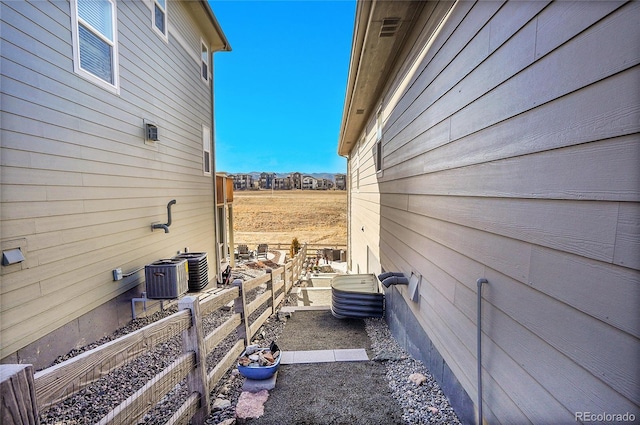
{"x":292,"y":181}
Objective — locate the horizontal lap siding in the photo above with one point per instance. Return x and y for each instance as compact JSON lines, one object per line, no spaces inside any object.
{"x":80,"y":188}
{"x":365,"y":200}
{"x":513,"y":155}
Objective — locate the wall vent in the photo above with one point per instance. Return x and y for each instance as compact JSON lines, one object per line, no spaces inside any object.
{"x":151,"y":131}
{"x":389,"y":27}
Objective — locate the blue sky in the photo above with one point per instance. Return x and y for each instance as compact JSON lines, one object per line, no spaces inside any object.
{"x":279,"y":93}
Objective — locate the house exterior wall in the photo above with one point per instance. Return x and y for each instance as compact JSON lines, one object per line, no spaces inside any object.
{"x":510,"y":151}
{"x":80,"y":187}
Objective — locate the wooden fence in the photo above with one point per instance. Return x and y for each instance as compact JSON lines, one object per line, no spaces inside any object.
{"x":287,"y":245}
{"x":24,"y":394}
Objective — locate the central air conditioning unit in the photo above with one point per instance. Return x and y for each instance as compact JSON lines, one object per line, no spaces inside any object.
{"x":167,"y":278}
{"x":198,"y":269}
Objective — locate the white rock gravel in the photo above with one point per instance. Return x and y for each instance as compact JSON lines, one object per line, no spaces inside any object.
{"x":413,"y":387}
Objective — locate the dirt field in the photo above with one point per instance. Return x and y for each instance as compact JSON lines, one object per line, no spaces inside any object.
{"x":313,"y":216}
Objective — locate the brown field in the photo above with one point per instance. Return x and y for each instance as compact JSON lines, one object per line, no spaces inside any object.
{"x":315,"y":217}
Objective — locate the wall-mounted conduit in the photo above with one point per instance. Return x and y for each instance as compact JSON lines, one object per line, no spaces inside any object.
{"x":393,"y":278}
{"x":479,"y":283}
{"x":165,"y":226}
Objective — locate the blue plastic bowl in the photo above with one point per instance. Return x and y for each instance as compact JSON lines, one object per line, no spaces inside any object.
{"x":259,"y":372}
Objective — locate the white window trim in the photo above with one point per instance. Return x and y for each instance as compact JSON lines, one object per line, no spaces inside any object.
{"x":203,"y":44}
{"x":75,"y":36}
{"x":206,"y":148}
{"x":165,"y":35}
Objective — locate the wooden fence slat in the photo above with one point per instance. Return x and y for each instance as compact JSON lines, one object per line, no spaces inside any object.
{"x":279,"y":299}
{"x":255,"y":282}
{"x":311,"y":245}
{"x":221,"y":332}
{"x":271,"y":290}
{"x":17,"y":395}
{"x":64,"y":379}
{"x":278,"y":285}
{"x":285,"y":275}
{"x":240,"y":304}
{"x":278,"y":271}
{"x":253,"y":328}
{"x":225,"y":363}
{"x":253,"y":305}
{"x":209,"y":305}
{"x":193,"y":340}
{"x":186,"y":411}
{"x":290,"y":280}
{"x":134,"y":407}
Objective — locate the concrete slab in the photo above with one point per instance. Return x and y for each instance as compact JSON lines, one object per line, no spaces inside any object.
{"x":324,"y":356}
{"x":256,"y":385}
{"x":292,"y":308}
{"x":351,"y":355}
{"x":314,"y":356}
{"x":314,"y":296}
{"x":286,"y":357}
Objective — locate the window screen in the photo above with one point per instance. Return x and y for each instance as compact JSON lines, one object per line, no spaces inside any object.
{"x":95,"y":45}
{"x":160,"y":16}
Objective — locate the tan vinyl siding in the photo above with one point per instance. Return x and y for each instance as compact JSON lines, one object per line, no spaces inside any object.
{"x":80,"y":188}
{"x":512,"y":154}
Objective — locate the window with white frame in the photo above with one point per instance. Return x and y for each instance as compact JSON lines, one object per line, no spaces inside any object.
{"x":204,"y":59}
{"x":206,"y":150}
{"x":95,"y":46}
{"x":159,"y":16}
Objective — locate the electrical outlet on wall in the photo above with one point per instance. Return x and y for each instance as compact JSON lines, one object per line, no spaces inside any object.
{"x":117,"y":274}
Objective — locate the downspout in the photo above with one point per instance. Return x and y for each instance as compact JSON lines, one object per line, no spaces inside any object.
{"x":479,"y":283}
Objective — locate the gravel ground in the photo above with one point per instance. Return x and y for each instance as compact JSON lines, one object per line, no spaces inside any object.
{"x":421,"y":404}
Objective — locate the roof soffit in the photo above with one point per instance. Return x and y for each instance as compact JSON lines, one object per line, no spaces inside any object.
{"x":375,"y":51}
{"x":207,"y":22}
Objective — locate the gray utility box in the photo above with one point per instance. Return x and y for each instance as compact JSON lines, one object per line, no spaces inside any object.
{"x":167,"y":278}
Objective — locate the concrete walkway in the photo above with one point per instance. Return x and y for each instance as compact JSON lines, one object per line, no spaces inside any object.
{"x":324,"y":356}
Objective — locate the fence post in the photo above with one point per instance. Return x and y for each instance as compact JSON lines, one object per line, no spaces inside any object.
{"x":239,"y":305}
{"x":284,"y":277}
{"x":271,"y":287}
{"x":193,"y":340}
{"x":18,"y":395}
{"x":294,"y":269}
